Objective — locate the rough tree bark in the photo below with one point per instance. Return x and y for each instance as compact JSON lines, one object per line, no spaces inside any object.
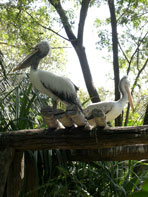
{"x":6,"y":157}
{"x":16,"y":175}
{"x":31,"y":179}
{"x":74,"y":138}
{"x":145,"y":122}
{"x":118,"y":121}
{"x":77,"y":43}
{"x":111,"y":144}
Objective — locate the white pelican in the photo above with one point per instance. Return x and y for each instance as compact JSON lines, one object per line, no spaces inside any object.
{"x":112,"y":109}
{"x":56,"y":87}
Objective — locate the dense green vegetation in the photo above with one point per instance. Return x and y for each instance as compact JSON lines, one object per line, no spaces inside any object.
{"x":25,"y":23}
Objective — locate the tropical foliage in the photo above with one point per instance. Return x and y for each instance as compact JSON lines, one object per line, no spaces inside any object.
{"x":23,"y":24}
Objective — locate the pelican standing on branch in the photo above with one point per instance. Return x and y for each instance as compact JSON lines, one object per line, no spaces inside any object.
{"x":112,"y":109}
{"x":56,"y":87}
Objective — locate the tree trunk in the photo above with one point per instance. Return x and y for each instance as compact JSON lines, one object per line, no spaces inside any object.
{"x":80,"y":50}
{"x":16,"y":175}
{"x":6,"y":157}
{"x":118,"y":121}
{"x":31,"y":177}
{"x":77,"y":43}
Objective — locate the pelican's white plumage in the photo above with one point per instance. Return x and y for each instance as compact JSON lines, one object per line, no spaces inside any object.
{"x":112,"y":109}
{"x":57,"y":87}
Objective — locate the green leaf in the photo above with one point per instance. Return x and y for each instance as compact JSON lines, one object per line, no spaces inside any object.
{"x":145,"y":185}
{"x":140,"y":194}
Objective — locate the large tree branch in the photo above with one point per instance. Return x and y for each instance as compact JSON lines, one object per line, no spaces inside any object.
{"x":78,"y":44}
{"x":118,"y":121}
{"x":57,"y":5}
{"x":83,"y":14}
{"x":114,"y":46}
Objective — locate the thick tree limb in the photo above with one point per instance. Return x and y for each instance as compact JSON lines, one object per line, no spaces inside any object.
{"x":114,"y":46}
{"x":83,"y":13}
{"x":77,"y":43}
{"x":75,"y":138}
{"x":64,"y":19}
{"x":118,"y":121}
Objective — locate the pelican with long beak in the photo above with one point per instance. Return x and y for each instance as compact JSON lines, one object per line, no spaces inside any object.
{"x":112,"y":109}
{"x":56,"y":87}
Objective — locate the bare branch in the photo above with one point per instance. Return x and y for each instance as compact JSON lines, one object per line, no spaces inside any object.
{"x":132,"y":90}
{"x":123,"y":52}
{"x":138,"y":75}
{"x":138,"y":45}
{"x":83,"y":13}
{"x":5,"y":43}
{"x":57,"y":5}
{"x":48,"y":28}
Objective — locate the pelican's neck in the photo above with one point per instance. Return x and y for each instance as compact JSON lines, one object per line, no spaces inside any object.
{"x":35,"y":64}
{"x":124,"y":97}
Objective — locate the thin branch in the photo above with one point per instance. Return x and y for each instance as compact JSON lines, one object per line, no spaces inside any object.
{"x":61,"y":47}
{"x":138,"y":75}
{"x":48,"y":28}
{"x":5,"y":43}
{"x":132,"y":90}
{"x":123,"y":52}
{"x":138,"y":45}
{"x":124,"y":11}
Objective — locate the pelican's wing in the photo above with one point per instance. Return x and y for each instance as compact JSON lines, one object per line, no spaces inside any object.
{"x":61,"y":87}
{"x":104,"y":106}
{"x":76,"y":88}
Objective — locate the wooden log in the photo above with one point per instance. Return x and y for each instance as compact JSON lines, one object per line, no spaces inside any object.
{"x":16,"y":175}
{"x":74,"y":138}
{"x":6,"y":157}
{"x":119,"y":153}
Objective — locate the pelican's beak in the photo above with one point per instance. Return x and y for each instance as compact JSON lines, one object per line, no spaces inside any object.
{"x":27,"y":61}
{"x":130,"y":98}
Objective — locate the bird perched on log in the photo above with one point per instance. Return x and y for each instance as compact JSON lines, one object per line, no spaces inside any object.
{"x":112,"y":109}
{"x":56,"y":87}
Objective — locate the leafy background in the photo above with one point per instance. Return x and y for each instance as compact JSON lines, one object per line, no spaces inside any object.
{"x":23,"y":24}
